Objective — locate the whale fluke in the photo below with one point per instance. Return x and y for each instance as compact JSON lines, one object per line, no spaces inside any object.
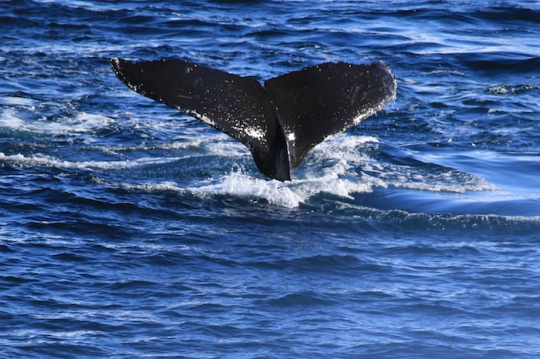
{"x":279,"y":121}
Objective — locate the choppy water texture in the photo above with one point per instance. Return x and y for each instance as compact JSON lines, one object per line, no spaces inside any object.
{"x":130,"y":230}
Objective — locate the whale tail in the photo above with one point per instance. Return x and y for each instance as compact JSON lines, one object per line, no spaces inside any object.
{"x":279,"y":121}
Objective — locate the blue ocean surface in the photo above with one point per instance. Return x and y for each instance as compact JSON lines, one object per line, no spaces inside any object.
{"x":131,"y":230}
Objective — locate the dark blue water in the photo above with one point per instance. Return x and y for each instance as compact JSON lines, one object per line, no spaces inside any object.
{"x":130,"y":230}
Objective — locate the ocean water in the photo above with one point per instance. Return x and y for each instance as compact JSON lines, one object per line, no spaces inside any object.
{"x":130,"y":230}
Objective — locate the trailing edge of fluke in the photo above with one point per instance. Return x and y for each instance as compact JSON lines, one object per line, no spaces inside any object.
{"x":279,"y":121}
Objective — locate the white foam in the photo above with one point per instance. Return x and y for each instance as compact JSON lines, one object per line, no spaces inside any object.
{"x":153,"y":187}
{"x":284,"y":194}
{"x":80,"y":123}
{"x":343,"y":147}
{"x":16,"y":101}
{"x":346,"y":171}
{"x":222,"y":145}
{"x":242,"y":185}
{"x":9,"y":120}
{"x":340,"y":166}
{"x":49,"y":161}
{"x":334,"y":179}
{"x":86,"y":122}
